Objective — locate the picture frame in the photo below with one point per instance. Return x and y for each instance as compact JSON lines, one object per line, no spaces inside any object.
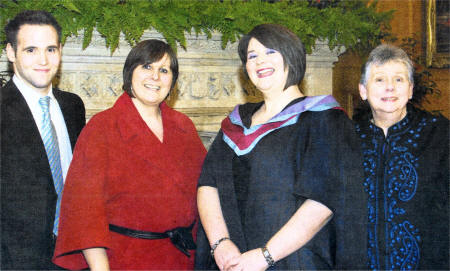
{"x":437,"y":33}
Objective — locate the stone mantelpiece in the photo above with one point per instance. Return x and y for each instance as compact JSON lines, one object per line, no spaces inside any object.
{"x":210,"y":83}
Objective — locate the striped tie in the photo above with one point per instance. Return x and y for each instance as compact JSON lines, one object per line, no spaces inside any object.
{"x":51,"y":147}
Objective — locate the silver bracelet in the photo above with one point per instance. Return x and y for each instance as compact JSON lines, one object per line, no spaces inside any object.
{"x":214,"y":246}
{"x":267,"y":256}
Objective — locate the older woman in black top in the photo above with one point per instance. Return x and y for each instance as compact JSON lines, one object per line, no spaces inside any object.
{"x":406,"y":153}
{"x":280,"y":180}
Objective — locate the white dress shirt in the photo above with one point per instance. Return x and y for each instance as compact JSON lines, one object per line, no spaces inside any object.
{"x":32,"y":99}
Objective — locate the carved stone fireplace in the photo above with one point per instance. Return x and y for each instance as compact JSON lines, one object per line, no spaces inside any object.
{"x":210,"y":83}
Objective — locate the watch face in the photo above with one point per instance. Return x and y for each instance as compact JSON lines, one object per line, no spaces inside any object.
{"x":267,"y":256}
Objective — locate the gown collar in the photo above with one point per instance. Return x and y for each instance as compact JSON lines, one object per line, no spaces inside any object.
{"x":242,"y":138}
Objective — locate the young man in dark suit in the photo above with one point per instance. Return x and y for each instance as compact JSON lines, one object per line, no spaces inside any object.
{"x":39,"y":128}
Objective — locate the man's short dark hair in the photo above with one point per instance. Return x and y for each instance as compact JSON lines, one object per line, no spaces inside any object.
{"x":147,"y":52}
{"x":32,"y":17}
{"x":283,"y":40}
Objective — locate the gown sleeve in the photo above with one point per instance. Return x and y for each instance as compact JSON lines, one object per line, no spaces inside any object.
{"x":83,"y":220}
{"x":213,"y":167}
{"x":330,"y":171}
{"x":212,"y":162}
{"x":328,"y":158}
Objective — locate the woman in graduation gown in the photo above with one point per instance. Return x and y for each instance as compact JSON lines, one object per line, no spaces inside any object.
{"x":134,"y":176}
{"x":406,"y":164}
{"x":281,"y":184}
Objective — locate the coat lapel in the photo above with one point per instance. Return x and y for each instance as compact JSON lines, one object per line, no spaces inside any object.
{"x":139,"y":138}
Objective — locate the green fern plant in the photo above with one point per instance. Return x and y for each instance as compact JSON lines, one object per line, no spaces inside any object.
{"x":351,"y":23}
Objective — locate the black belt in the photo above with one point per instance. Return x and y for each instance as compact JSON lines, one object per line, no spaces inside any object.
{"x":180,"y":237}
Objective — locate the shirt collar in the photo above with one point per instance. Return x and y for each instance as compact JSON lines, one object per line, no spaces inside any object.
{"x":30,"y":95}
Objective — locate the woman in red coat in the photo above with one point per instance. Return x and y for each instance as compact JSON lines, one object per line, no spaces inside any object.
{"x":129,"y":198}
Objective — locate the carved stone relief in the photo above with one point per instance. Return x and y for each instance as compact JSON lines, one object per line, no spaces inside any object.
{"x":210,"y":84}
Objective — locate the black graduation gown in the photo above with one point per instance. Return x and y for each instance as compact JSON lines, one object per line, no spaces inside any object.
{"x":316,"y":158}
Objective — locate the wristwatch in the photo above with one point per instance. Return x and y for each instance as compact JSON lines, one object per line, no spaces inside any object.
{"x":267,"y":256}
{"x":214,"y":246}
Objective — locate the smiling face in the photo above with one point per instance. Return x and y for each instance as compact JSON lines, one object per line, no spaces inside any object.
{"x":265,"y":68}
{"x":388,"y":90}
{"x":37,"y":57}
{"x":151,"y":83}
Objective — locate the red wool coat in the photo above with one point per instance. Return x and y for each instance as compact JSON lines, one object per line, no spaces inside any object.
{"x":122,"y":174}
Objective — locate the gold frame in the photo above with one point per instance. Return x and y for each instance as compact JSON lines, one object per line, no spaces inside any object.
{"x":433,"y":58}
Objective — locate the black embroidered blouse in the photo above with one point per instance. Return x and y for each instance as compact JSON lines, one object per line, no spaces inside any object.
{"x":407,"y":183}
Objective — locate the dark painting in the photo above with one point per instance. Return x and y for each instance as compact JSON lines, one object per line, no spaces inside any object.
{"x":442,"y":26}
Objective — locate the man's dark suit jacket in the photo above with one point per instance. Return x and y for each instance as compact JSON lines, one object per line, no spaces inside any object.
{"x":28,"y":197}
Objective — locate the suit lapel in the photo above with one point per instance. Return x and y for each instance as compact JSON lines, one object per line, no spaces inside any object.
{"x":18,"y":122}
{"x":66,"y":109}
{"x":15,"y":104}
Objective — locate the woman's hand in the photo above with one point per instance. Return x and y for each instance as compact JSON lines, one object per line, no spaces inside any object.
{"x":252,"y":260}
{"x":226,"y":255}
